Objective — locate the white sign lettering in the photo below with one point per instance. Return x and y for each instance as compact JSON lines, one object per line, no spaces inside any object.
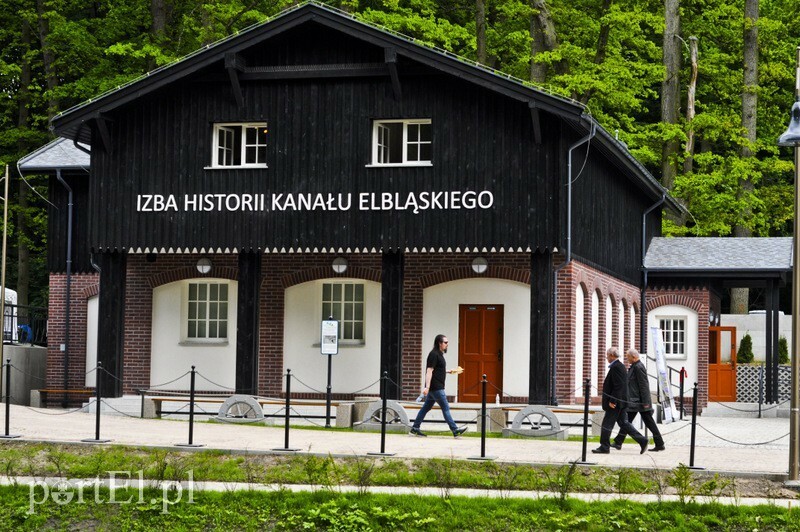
{"x":365,"y":201}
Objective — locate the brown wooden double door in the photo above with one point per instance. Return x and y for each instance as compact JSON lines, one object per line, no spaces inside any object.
{"x":480,"y":351}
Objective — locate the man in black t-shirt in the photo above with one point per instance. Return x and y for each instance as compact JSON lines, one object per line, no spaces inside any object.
{"x":435,"y":373}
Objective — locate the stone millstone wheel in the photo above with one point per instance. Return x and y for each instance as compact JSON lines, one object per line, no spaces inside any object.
{"x":542,"y":422}
{"x":395,"y":413}
{"x":240,"y":409}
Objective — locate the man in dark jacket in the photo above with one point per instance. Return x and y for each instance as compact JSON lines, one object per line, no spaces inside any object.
{"x":639,"y":401}
{"x":615,"y":395}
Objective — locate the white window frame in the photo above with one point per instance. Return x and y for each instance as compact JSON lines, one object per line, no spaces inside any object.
{"x":345,"y":320}
{"x":670,"y":344}
{"x":231,"y":129}
{"x":381,"y":142}
{"x":207,"y":319}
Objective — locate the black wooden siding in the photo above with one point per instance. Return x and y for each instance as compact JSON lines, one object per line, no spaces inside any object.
{"x":57,"y":223}
{"x":607,"y":217}
{"x":320,"y":141}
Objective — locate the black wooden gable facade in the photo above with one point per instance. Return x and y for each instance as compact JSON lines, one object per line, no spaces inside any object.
{"x":318,"y":80}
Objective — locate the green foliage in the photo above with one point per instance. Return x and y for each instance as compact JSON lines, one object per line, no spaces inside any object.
{"x":745,"y":353}
{"x":682,"y":479}
{"x":783,"y":350}
{"x":254,"y":510}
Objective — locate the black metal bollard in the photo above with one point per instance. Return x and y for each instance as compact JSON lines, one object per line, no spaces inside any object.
{"x":383,"y":411}
{"x":8,"y":400}
{"x":328,"y":394}
{"x":694,"y":425}
{"x":191,"y":412}
{"x":760,"y":388}
{"x":384,"y":381}
{"x":191,"y":406}
{"x":288,"y":409}
{"x":683,"y":374}
{"x":98,"y":392}
{"x":483,"y":416}
{"x":286,"y":416}
{"x":586,"y":391}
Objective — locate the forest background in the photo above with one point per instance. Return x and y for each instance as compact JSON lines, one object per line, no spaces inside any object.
{"x":699,"y":90}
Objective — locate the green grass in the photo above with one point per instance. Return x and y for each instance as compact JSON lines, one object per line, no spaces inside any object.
{"x":327,"y":510}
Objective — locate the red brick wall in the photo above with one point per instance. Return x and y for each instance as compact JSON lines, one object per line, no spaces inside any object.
{"x":422,"y":270}
{"x":591,"y":281}
{"x":82,"y":287}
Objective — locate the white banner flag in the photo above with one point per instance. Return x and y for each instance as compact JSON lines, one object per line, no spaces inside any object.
{"x":665,"y":397}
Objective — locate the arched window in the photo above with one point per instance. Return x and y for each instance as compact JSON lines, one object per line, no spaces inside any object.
{"x":609,"y":323}
{"x":579,"y":341}
{"x":621,"y":325}
{"x":596,"y":354}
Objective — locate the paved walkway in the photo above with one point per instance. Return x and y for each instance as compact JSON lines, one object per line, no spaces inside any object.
{"x":742,"y":446}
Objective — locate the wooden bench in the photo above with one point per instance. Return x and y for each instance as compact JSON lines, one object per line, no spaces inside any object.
{"x":41,"y":397}
{"x":152,"y":404}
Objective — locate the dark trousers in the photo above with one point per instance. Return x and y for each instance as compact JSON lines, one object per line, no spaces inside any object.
{"x":649,"y":422}
{"x":618,"y":416}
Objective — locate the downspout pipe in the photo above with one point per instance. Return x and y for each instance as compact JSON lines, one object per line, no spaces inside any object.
{"x":642,"y":310}
{"x":567,"y":257}
{"x":69,"y":280}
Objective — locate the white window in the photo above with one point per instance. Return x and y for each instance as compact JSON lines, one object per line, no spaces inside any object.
{"x":239,"y":145}
{"x":345,"y":302}
{"x":207,"y":311}
{"x":674,"y":332}
{"x":401,"y":142}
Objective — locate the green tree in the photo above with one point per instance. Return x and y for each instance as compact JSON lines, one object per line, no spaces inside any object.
{"x":745,"y":353}
{"x":783,"y":350}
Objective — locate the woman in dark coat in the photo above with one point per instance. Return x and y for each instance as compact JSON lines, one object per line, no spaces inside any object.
{"x":639,"y":401}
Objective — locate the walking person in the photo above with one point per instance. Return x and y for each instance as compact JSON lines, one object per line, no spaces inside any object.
{"x":435,"y":373}
{"x":615,"y":395}
{"x":639,"y":401}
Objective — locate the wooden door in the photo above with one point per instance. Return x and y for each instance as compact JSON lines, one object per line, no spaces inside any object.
{"x":721,"y":373}
{"x":480,"y":350}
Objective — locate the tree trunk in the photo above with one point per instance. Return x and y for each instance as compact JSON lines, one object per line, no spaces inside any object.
{"x":669,"y":89}
{"x":48,"y":58}
{"x":543,"y":39}
{"x":480,"y":30}
{"x":23,"y":115}
{"x":740,"y":296}
{"x":602,"y":46}
{"x":690,"y":100}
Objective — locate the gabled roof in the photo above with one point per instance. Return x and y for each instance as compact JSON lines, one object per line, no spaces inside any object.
{"x":71,"y":123}
{"x":60,"y":154}
{"x":68,"y":122}
{"x":734,"y":256}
